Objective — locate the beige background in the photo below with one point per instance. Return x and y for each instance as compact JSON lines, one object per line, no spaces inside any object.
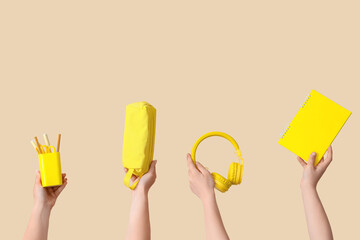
{"x":242,"y":67}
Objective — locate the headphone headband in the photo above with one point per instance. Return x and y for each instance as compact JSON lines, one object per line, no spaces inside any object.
{"x":220,"y":134}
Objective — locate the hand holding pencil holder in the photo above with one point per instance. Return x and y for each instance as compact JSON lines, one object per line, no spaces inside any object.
{"x":49,"y":161}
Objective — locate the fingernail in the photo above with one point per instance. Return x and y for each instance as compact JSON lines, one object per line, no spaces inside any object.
{"x":313,"y":154}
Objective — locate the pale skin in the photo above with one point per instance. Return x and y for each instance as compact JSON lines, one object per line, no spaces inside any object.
{"x":202,"y":185}
{"x":44,"y":201}
{"x":317,"y":221}
{"x":139,"y":221}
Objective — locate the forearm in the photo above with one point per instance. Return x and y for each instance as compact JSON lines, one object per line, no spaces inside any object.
{"x":139,"y":222}
{"x":38,"y":226}
{"x":318,"y":224}
{"x":213,"y":223}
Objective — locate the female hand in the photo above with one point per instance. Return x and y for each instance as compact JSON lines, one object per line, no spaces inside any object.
{"x":46,"y":196}
{"x":147,"y":180}
{"x":201,"y":181}
{"x":312,"y":173}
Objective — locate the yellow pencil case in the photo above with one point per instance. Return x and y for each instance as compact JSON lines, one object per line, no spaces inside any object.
{"x":50,"y":169}
{"x":139,"y":138}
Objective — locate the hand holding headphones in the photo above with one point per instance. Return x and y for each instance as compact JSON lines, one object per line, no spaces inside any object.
{"x":201,"y":181}
{"x":235,"y":169}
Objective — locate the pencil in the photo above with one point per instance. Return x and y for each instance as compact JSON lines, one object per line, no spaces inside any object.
{"x":47,"y":142}
{"x":46,"y":139}
{"x":34,"y":145}
{"x":38,"y":145}
{"x":58,"y":145}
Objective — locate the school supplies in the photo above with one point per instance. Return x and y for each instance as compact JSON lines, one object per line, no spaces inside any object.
{"x":314,"y":127}
{"x":38,"y":145}
{"x":139,"y":139}
{"x":235,"y":170}
{"x":49,"y":160}
{"x":46,"y":138}
{"x":58,"y":144}
{"x":34,"y":145}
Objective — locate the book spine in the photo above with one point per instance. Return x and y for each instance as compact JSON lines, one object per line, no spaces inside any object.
{"x":302,"y":106}
{"x":285,"y":131}
{"x":306,"y":100}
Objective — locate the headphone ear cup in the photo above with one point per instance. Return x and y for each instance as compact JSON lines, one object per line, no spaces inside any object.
{"x":235,"y":173}
{"x":221,"y":183}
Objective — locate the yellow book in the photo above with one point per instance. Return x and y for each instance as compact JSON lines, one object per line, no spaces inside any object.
{"x":314,"y":127}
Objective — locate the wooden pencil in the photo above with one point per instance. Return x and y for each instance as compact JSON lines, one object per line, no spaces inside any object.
{"x":58,"y":144}
{"x":46,"y":139}
{"x":34,"y":145}
{"x":47,"y":142}
{"x":38,"y":145}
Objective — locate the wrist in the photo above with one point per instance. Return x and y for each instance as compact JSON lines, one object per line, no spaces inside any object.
{"x":43,"y":204}
{"x":208,"y":197}
{"x":306,"y":186}
{"x":42,"y":209}
{"x":140,"y":192}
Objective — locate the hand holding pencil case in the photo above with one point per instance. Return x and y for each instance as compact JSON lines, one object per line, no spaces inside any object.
{"x":139,"y":138}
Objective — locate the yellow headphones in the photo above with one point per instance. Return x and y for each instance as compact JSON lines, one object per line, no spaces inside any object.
{"x":235,"y":170}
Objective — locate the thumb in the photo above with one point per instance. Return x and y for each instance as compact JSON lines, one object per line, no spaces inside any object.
{"x":152,"y":166}
{"x":312,"y":159}
{"x":38,"y":178}
{"x":201,"y":168}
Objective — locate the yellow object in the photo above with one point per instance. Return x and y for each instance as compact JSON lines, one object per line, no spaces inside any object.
{"x":139,"y":139}
{"x":50,"y":169}
{"x":34,"y":145}
{"x":314,"y":127}
{"x":47,"y":148}
{"x":235,"y":170}
{"x":46,"y":138}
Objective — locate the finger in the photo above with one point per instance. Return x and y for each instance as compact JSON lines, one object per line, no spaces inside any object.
{"x":55,"y":188}
{"x":312,"y":159}
{"x":202,"y":169}
{"x":321,"y":162}
{"x":301,"y":161}
{"x":190,"y":163}
{"x":133,"y":178}
{"x":152,"y":168}
{"x":325,"y":162}
{"x":50,"y":190}
{"x":59,"y":190}
{"x":64,"y":180}
{"x":38,"y":177}
{"x":329,"y":156}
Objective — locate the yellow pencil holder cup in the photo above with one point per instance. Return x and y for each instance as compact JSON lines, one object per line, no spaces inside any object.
{"x":50,"y":169}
